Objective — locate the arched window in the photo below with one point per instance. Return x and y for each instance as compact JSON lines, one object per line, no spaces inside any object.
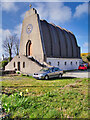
{"x":71,"y":62}
{"x":49,"y":63}
{"x":58,"y":63}
{"x":28,"y":48}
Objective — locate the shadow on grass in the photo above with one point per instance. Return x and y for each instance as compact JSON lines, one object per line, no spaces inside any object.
{"x":63,"y":78}
{"x":51,"y":79}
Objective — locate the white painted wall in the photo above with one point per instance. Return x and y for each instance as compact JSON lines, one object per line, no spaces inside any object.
{"x":68,"y":66}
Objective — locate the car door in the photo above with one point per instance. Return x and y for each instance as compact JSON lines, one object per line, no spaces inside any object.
{"x":56,"y":72}
{"x":51,"y":73}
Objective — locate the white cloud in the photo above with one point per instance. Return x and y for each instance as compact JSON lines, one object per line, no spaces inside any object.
{"x":85,"y":44}
{"x":9,"y":0}
{"x":81,"y":9}
{"x":7,"y":33}
{"x":22,"y":15}
{"x":85,"y":47}
{"x":32,"y":0}
{"x":17,"y":30}
{"x":0,"y":43}
{"x":3,"y":36}
{"x":54,"y":12}
{"x":9,"y":7}
{"x":44,"y":0}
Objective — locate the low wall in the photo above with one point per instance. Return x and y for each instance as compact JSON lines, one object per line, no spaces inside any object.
{"x":4,"y":72}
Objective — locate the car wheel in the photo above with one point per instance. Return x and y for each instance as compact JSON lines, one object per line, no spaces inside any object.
{"x":46,"y":77}
{"x":60,"y":76}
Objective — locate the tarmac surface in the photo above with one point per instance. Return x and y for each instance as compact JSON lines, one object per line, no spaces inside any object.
{"x":78,"y":74}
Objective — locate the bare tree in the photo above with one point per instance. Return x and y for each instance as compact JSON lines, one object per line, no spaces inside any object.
{"x":11,"y":44}
{"x":16,"y":46}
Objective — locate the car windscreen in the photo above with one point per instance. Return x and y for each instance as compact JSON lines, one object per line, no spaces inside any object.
{"x":81,"y":65}
{"x":44,"y":70}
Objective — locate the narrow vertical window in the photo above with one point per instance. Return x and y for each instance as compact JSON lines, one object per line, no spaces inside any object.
{"x":14,"y":64}
{"x":76,"y":63}
{"x":23,"y":64}
{"x":71,"y":63}
{"x":49,"y":63}
{"x":58,"y":63}
{"x":65,"y":63}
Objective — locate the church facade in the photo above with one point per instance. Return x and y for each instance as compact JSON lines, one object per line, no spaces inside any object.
{"x":44,"y":44}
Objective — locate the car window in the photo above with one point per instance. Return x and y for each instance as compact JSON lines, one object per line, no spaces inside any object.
{"x":81,"y":65}
{"x":56,"y":69}
{"x":50,"y":70}
{"x":45,"y":69}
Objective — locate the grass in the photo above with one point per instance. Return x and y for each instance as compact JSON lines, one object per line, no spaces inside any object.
{"x":26,"y":97}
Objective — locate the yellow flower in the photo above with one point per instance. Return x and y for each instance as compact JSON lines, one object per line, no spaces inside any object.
{"x":20,"y":93}
{"x":27,"y":90}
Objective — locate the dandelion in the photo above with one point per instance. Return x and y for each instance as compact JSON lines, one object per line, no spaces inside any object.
{"x":27,"y":90}
{"x":20,"y":93}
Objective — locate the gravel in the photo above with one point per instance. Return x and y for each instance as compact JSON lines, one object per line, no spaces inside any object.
{"x":78,"y":74}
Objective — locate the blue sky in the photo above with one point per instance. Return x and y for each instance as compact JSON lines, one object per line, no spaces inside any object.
{"x":72,"y":16}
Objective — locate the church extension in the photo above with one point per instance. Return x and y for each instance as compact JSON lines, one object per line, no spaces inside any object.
{"x":44,"y":44}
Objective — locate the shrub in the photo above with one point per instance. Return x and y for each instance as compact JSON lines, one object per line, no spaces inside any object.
{"x":83,"y":54}
{"x":10,"y":58}
{"x":3,"y":64}
{"x":18,"y":72}
{"x":88,"y":57}
{"x":21,"y":74}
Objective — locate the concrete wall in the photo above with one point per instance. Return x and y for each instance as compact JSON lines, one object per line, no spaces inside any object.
{"x":68,"y":44}
{"x":48,"y":42}
{"x":69,"y":66}
{"x":30,"y":66}
{"x":35,"y":36}
{"x":62,"y":42}
{"x":74,"y":45}
{"x":59,"y":42}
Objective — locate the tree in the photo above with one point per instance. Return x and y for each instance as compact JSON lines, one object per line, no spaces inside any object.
{"x":16,"y":46}
{"x":3,"y":64}
{"x":88,"y":57}
{"x":11,"y":46}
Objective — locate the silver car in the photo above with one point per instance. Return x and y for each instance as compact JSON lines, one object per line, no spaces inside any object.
{"x":47,"y":73}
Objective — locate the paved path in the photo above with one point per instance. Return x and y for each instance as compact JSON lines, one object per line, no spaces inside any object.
{"x":78,"y":74}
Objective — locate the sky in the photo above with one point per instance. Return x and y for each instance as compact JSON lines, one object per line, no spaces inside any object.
{"x":72,"y":16}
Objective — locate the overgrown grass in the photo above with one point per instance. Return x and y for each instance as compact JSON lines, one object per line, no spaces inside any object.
{"x":26,"y":97}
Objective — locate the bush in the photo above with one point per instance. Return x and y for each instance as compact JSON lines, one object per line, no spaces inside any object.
{"x":10,"y":58}
{"x":83,"y":54}
{"x":88,"y":57}
{"x":3,"y":64}
{"x":18,"y":72}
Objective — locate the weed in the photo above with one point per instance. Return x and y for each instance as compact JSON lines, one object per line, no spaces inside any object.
{"x":30,"y":98}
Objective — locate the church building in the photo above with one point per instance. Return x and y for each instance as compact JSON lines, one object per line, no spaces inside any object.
{"x":44,"y":44}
